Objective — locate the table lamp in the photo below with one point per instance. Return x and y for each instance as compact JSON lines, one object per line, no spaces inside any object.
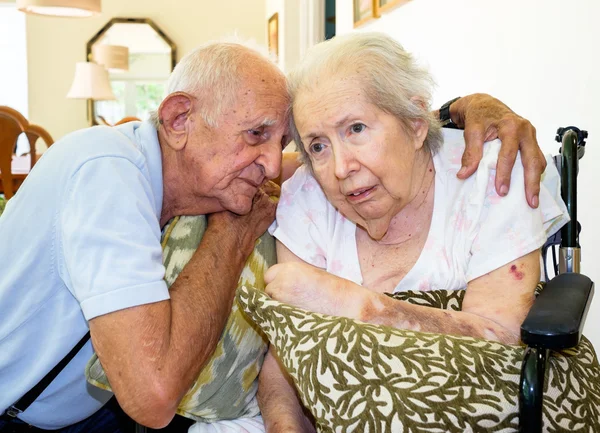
{"x":91,"y":83}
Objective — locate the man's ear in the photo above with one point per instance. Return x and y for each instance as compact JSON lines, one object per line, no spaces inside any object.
{"x":173,"y":113}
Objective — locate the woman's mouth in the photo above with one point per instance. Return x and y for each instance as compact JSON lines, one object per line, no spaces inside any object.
{"x":360,"y":194}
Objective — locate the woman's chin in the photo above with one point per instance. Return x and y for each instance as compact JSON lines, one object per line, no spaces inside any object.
{"x":377,"y":228}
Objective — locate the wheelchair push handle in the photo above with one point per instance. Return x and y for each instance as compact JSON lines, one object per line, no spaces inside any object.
{"x":582,"y":135}
{"x":572,"y":141}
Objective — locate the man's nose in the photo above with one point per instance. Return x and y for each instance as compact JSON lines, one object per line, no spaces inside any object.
{"x":270,"y":158}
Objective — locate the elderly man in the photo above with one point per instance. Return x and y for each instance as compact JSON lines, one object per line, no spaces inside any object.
{"x":81,"y":240}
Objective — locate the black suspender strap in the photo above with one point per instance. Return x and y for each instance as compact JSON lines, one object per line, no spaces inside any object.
{"x":24,"y":402}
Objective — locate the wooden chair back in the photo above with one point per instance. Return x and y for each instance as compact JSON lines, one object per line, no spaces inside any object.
{"x":34,"y":132}
{"x":13,"y":124}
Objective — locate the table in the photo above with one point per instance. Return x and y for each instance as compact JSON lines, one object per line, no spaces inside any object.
{"x":20,"y":167}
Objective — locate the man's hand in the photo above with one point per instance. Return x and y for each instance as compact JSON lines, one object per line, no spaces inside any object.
{"x":152,"y":365}
{"x":252,"y":225}
{"x":485,"y":118}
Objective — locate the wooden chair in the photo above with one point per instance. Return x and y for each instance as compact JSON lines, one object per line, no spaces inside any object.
{"x":33,"y":132}
{"x":12,"y":125}
{"x":103,"y":121}
{"x":127,"y":119}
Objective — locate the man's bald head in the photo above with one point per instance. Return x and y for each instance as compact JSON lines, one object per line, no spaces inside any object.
{"x":216,"y":72}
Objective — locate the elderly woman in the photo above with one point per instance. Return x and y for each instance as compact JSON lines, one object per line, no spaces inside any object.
{"x":378,"y":207}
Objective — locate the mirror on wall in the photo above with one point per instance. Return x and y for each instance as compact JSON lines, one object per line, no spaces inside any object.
{"x":138,"y":87}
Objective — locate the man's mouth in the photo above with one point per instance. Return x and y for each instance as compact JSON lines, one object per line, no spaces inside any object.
{"x":254,"y":184}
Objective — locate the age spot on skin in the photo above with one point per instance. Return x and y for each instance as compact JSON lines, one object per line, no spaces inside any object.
{"x":516,"y":273}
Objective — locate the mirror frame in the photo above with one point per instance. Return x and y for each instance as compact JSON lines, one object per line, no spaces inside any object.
{"x":91,"y":109}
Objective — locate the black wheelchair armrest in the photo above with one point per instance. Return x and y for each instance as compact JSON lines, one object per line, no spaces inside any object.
{"x":558,"y":314}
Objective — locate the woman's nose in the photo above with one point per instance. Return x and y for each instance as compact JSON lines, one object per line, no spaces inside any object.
{"x":345,"y":162}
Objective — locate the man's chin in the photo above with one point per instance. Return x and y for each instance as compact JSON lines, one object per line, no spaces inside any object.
{"x":239,"y":207}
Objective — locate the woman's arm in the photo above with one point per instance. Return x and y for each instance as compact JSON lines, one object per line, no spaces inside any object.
{"x":494,"y":307}
{"x":277,"y":398}
{"x":278,"y":401}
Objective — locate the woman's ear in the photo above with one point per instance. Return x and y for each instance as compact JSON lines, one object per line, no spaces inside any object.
{"x":173,"y":113}
{"x":420,"y":127}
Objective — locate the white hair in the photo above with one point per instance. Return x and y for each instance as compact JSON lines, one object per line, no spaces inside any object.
{"x":212,"y":72}
{"x":389,"y":76}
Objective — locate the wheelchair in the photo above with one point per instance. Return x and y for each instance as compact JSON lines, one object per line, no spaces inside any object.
{"x":556,"y":321}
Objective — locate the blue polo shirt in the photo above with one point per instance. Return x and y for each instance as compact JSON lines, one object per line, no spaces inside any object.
{"x":80,"y":239}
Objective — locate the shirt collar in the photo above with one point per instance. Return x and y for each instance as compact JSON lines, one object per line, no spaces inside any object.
{"x":147,"y":137}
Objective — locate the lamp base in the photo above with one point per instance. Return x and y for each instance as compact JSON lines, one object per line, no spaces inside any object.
{"x":91,"y":120}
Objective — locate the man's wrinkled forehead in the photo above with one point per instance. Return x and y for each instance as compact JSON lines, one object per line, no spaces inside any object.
{"x":268,"y":89}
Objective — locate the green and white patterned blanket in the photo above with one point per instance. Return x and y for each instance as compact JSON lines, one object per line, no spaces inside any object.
{"x":357,"y":377}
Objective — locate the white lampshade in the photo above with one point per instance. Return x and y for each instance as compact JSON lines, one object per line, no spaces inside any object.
{"x":90,"y":82}
{"x":115,"y":58}
{"x":60,"y":8}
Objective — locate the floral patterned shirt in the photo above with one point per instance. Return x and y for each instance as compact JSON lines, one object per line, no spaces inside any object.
{"x":473,"y":230}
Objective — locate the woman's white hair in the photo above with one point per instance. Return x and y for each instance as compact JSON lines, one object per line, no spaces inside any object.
{"x":389,"y":76}
{"x":213,"y":73}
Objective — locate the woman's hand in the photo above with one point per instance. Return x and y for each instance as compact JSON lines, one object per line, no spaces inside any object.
{"x":313,"y":289}
{"x":485,"y":118}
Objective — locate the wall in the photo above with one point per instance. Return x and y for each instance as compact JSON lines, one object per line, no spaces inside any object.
{"x":300,"y":26}
{"x":290,"y":13}
{"x":540,"y":56}
{"x":55,"y":44}
{"x":13,"y":79}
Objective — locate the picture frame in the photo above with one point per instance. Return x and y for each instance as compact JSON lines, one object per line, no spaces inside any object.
{"x":364,"y":10}
{"x":273,"y":34}
{"x":383,"y":6}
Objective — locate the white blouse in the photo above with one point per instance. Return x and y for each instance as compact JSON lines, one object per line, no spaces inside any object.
{"x":473,"y":230}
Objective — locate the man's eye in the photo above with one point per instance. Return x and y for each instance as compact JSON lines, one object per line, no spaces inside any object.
{"x":357,"y":128}
{"x":256,"y":135}
{"x":317,"y":147}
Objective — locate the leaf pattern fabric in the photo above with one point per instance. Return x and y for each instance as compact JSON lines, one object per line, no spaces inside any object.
{"x":226,"y":387}
{"x":357,"y":377}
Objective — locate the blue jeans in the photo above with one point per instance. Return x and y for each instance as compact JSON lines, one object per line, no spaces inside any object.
{"x":109,"y":419}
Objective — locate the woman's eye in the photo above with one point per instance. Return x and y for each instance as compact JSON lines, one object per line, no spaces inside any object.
{"x":357,"y":128}
{"x":317,"y":147}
